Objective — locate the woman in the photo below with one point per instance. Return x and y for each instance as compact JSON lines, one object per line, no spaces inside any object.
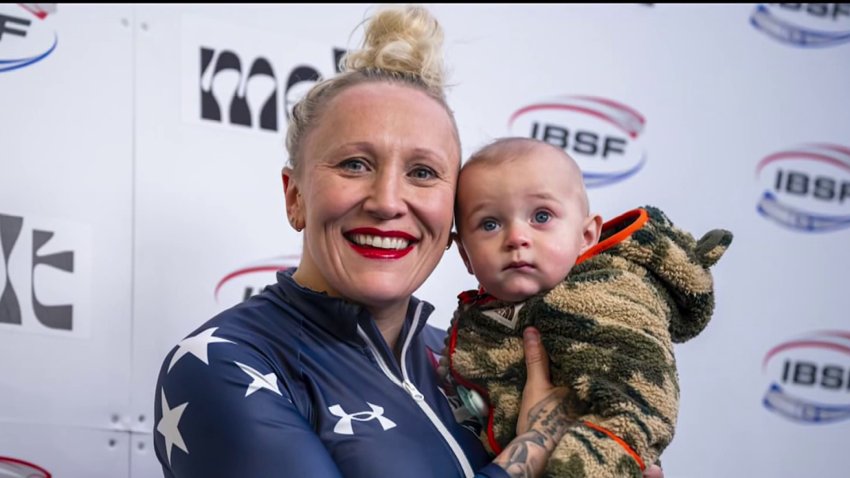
{"x":329,"y":372}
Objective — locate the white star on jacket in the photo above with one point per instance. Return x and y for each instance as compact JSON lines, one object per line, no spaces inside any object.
{"x":267,"y":381}
{"x":196,"y":346}
{"x":167,"y":426}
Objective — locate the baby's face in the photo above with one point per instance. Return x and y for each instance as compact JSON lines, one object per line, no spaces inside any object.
{"x":522,"y":222}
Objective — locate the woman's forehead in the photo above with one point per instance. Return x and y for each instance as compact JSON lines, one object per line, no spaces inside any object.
{"x":386,"y":114}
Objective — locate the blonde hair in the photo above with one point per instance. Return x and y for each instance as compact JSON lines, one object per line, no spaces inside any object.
{"x":401,"y":45}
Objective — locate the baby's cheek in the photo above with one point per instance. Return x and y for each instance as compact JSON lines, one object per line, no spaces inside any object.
{"x":490,"y":281}
{"x":560,"y":265}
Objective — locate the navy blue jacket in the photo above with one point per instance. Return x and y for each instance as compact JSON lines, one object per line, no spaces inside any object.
{"x":296,"y":383}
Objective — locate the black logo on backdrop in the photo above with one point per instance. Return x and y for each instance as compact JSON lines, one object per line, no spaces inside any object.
{"x":235,"y":108}
{"x":53,"y":316}
{"x":13,"y":26}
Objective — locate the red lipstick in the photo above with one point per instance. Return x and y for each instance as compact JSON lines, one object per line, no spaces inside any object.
{"x":377,"y":252}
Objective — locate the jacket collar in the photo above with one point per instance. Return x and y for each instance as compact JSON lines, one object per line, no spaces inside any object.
{"x":338,"y":316}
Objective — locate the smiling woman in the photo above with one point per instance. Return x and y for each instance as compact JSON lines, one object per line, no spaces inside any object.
{"x":375,"y":195}
{"x":330,"y":368}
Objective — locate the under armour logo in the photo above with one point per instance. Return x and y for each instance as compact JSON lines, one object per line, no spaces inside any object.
{"x":343,"y":426}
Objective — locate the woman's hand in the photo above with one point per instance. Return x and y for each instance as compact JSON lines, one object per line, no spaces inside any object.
{"x":540,"y":399}
{"x":543,"y":417}
{"x":543,"y":420}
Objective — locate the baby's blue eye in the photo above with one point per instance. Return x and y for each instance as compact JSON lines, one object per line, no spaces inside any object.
{"x":542,"y":216}
{"x":489,"y":225}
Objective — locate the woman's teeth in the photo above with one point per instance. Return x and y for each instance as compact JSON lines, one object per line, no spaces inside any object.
{"x":380,"y":242}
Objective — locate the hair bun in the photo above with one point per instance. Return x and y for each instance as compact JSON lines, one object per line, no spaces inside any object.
{"x":405,"y":40}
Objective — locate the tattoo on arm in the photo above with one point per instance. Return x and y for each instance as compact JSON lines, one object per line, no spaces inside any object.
{"x":527,"y":454}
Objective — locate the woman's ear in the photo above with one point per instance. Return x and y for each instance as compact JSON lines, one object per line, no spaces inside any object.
{"x":294,"y":203}
{"x":285,"y":174}
{"x":591,"y":230}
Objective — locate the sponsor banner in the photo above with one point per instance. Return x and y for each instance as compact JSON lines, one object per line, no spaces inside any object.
{"x":810,"y":378}
{"x":602,"y":135}
{"x":45,"y":275}
{"x":806,"y":188}
{"x":239,"y":77}
{"x":810,"y":25}
{"x":243,"y":282}
{"x":27,"y":34}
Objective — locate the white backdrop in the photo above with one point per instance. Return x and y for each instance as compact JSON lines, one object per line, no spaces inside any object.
{"x":163,"y":213}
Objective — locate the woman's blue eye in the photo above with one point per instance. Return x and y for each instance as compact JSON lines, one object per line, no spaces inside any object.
{"x":542,"y":216}
{"x":489,"y":225}
{"x":353,"y":165}
{"x":423,"y":173}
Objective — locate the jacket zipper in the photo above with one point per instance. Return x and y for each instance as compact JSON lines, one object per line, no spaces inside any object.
{"x":417,"y":396}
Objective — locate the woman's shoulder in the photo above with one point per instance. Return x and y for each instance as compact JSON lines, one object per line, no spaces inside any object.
{"x":248,"y":347}
{"x":255,"y":321}
{"x":257,"y":330}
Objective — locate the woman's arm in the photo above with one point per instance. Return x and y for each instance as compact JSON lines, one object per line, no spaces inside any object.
{"x":543,"y":417}
{"x":210,"y":421}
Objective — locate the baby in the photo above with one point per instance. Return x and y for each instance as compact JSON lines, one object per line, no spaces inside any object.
{"x":609,"y":301}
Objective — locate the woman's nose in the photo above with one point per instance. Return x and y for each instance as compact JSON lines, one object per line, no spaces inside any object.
{"x":386,"y":199}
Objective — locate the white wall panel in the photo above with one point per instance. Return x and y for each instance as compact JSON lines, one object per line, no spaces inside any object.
{"x":143,"y":462}
{"x":67,"y":179}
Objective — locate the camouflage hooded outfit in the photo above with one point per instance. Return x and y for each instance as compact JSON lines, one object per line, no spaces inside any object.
{"x":609,"y":329}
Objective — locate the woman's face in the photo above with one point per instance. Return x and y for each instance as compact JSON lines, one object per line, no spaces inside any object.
{"x":375,"y":190}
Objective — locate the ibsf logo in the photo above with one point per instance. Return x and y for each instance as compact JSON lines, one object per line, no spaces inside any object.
{"x":25,"y":34}
{"x":44,"y":275}
{"x":245,"y":282}
{"x":807,"y":188}
{"x":810,"y":378}
{"x":245,"y":93}
{"x":602,"y":135}
{"x":804,"y":24}
{"x":15,"y":468}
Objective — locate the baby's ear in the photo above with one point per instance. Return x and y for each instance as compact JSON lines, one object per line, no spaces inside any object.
{"x":462,"y":251}
{"x":592,"y":228}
